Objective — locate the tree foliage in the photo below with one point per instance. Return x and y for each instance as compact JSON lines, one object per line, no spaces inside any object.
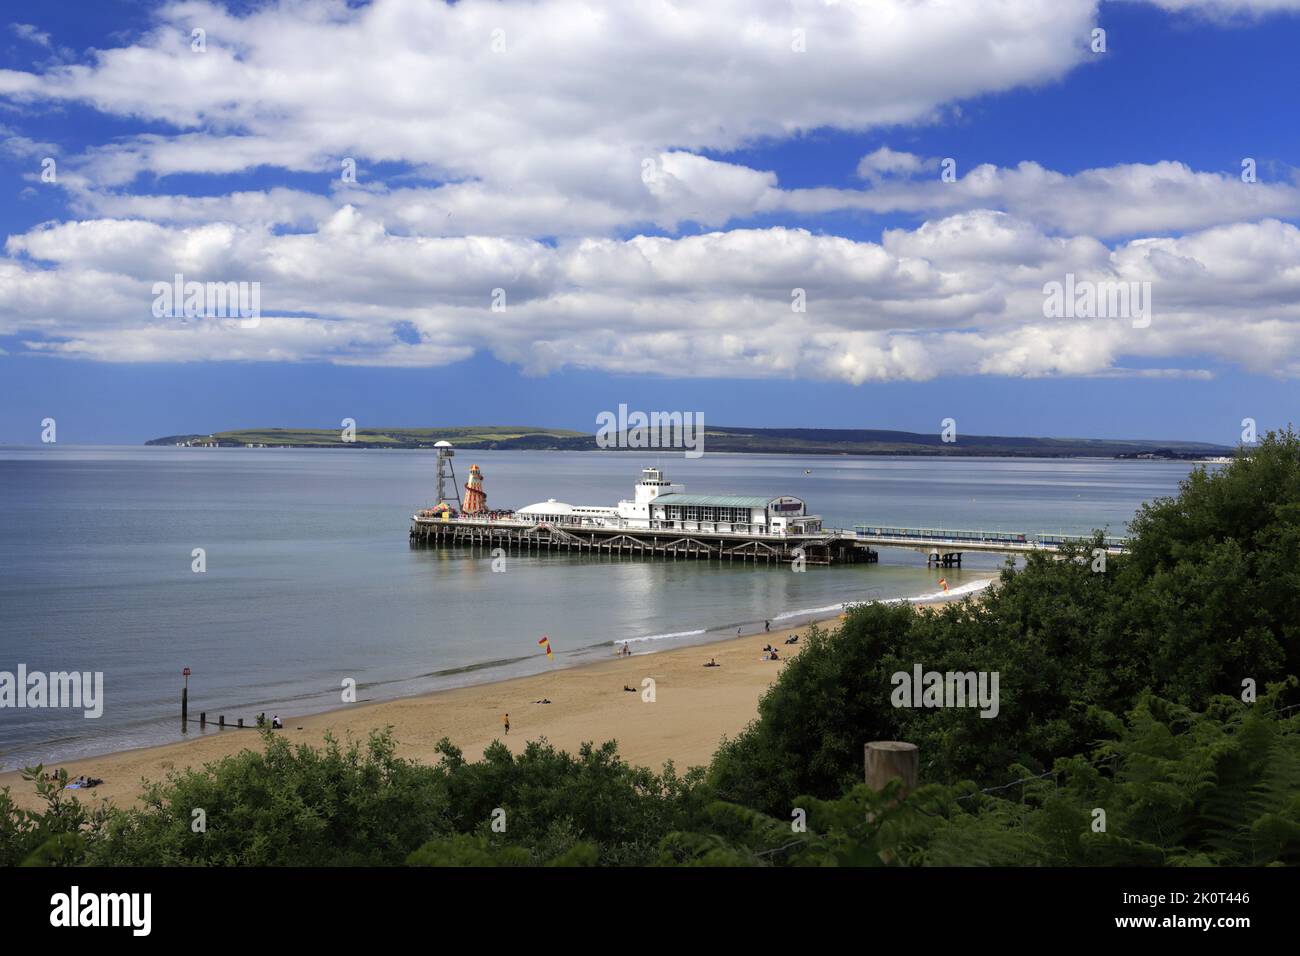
{"x":1173,"y":788}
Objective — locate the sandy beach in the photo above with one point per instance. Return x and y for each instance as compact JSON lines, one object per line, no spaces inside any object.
{"x":694,"y":708}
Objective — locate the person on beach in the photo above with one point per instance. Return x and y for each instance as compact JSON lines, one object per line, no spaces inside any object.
{"x":767,"y":627}
{"x":276,"y":724}
{"x":506,"y":720}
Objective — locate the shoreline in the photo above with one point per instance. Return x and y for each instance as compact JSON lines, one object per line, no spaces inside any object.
{"x":404,"y":687}
{"x":695,"y":707}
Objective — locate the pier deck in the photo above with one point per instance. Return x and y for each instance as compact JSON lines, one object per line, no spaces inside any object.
{"x":834,"y":547}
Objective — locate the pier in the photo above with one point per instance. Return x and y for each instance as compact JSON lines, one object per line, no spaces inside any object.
{"x":661,"y":520}
{"x":823,"y":548}
{"x":942,"y":547}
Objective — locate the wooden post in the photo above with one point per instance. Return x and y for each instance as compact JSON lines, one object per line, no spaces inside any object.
{"x":203,"y":718}
{"x":185,"y":705}
{"x":221,"y":722}
{"x":888,"y":760}
{"x":241,"y":722}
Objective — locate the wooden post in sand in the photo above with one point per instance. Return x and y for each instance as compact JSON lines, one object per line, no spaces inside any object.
{"x":888,"y":760}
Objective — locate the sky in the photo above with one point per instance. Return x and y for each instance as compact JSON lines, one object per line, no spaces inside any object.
{"x":839,"y":214}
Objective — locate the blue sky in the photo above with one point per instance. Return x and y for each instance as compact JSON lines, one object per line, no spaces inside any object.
{"x":647,"y":192}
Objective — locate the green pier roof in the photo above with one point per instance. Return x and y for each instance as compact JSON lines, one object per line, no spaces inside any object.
{"x":717,"y":501}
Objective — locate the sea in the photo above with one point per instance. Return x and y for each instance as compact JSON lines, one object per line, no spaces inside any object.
{"x":309,"y":581}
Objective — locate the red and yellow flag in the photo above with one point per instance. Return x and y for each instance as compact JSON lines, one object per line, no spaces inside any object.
{"x":546,"y":643}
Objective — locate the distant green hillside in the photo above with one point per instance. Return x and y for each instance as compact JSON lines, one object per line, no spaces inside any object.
{"x":801,"y":441}
{"x":484,"y":436}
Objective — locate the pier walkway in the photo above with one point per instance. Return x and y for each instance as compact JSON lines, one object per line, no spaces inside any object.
{"x":944,"y":545}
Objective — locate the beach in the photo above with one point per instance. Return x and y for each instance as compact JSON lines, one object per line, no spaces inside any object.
{"x":694,"y":708}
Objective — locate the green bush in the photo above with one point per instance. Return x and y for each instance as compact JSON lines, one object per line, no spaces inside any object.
{"x":55,"y":836}
{"x":1177,"y":788}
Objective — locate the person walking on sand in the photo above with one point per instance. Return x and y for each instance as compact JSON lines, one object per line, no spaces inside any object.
{"x":506,"y":720}
{"x":767,"y":627}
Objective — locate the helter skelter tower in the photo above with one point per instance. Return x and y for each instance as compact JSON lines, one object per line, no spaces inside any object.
{"x":475,"y":496}
{"x":448,"y":491}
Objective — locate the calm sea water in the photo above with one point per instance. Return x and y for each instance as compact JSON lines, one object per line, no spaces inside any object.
{"x":310,"y":578}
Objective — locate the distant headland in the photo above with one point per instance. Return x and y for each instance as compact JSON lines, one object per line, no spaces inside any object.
{"x":717,"y":438}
